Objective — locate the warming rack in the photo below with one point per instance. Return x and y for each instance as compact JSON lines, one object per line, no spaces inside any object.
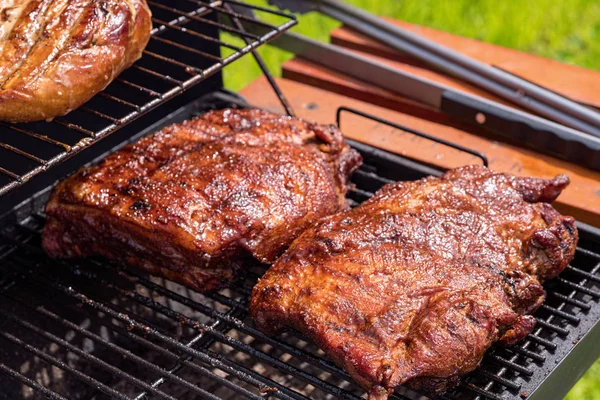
{"x":191,"y":41}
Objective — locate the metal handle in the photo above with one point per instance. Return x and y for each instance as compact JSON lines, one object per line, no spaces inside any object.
{"x":553,"y":139}
{"x":475,"y":153}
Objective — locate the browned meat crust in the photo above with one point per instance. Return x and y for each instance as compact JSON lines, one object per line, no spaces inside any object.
{"x":414,"y":285}
{"x":195,"y":200}
{"x":56,"y":54}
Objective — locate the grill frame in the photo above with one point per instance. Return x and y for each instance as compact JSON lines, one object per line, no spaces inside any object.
{"x":171,"y":65}
{"x":536,"y":382}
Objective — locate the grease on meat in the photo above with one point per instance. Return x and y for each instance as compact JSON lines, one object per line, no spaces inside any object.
{"x":415,"y":284}
{"x":197,"y":200}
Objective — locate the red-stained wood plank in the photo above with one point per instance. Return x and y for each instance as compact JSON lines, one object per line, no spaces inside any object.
{"x":581,"y":199}
{"x":578,"y":83}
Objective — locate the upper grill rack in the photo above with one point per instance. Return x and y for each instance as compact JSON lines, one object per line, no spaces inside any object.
{"x":111,"y":331}
{"x":184,"y":49}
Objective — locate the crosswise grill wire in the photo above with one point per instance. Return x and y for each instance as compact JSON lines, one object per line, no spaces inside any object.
{"x":96,"y":329}
{"x":186,"y":36}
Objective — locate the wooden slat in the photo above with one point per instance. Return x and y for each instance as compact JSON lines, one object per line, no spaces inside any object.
{"x":581,"y":199}
{"x":303,"y":71}
{"x":579,"y":84}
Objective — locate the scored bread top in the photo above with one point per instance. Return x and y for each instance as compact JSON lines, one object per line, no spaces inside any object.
{"x":57,"y":54}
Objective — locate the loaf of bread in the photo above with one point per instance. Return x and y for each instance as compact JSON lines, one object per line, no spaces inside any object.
{"x":57,"y":54}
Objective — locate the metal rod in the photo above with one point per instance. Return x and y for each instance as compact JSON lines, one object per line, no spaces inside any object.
{"x":194,"y":33}
{"x":475,"y":153}
{"x":74,"y":127}
{"x":567,"y":299}
{"x":569,"y":317}
{"x":22,"y":153}
{"x":10,"y":173}
{"x":118,"y":100}
{"x":188,"y":68}
{"x":59,"y":364}
{"x":99,"y":114}
{"x":186,"y":48}
{"x":260,"y":8}
{"x":38,"y":136}
{"x":32,"y":384}
{"x":159,"y":75}
{"x":203,"y":10}
{"x":139,"y":87}
{"x":282,"y":99}
{"x":208,"y":22}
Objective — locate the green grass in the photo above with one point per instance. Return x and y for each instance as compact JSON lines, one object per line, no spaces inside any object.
{"x":568,"y":31}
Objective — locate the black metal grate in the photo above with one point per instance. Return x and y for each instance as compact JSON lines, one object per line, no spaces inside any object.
{"x":88,"y":329}
{"x":191,"y":40}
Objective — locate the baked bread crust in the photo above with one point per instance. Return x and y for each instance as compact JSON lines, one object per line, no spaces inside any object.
{"x":57,"y":54}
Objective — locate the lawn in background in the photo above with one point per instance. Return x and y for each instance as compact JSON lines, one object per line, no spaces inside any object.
{"x":568,"y":31}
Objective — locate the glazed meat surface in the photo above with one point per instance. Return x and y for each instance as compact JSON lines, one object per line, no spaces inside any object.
{"x":196,"y":200}
{"x":415,"y":284}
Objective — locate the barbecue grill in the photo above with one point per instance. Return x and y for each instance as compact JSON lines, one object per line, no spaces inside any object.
{"x":93,"y":330}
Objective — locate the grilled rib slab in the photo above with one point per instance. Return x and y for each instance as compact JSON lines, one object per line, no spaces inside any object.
{"x":56,"y":54}
{"x":196,"y":200}
{"x":414,"y":285}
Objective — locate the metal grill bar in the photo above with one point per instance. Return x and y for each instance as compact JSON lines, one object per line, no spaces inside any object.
{"x":546,"y":343}
{"x":159,"y":75}
{"x":528,"y":353}
{"x":575,"y":302}
{"x":51,"y":360}
{"x":506,"y":382}
{"x":74,"y":127}
{"x":213,"y":313}
{"x":148,"y":330}
{"x":197,"y":34}
{"x":512,"y":365}
{"x":32,"y":384}
{"x":22,"y":153}
{"x":579,"y":287}
{"x":118,"y":100}
{"x":96,"y":361}
{"x":178,"y":28}
{"x":128,"y":354}
{"x":37,"y":136}
{"x":139,"y":87}
{"x":186,"y":48}
{"x":561,"y":314}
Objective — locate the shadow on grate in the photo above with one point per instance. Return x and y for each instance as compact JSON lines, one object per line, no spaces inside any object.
{"x":187,"y":46}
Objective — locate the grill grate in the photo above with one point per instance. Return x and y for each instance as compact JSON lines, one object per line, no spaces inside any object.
{"x":88,"y":329}
{"x":183,"y":51}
